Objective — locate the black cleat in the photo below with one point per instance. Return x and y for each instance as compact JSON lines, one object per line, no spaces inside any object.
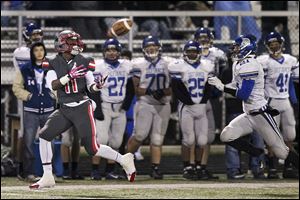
{"x":156,"y":174}
{"x":189,"y":173}
{"x":259,"y":174}
{"x":76,"y":176}
{"x":272,"y":174}
{"x":95,"y":175}
{"x":201,"y":174}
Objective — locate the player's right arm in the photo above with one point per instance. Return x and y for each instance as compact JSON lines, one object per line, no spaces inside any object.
{"x":136,"y":76}
{"x":18,"y":87}
{"x":177,"y":85}
{"x":54,"y":83}
{"x":138,"y":90}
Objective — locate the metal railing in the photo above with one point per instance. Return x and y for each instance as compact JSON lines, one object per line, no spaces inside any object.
{"x":132,"y":14}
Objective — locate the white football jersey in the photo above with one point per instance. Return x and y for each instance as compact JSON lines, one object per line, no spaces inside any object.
{"x":194,"y":78}
{"x":214,"y":55}
{"x":153,"y":77}
{"x":114,"y":89}
{"x":21,"y":56}
{"x":250,"y":69}
{"x":278,"y":74}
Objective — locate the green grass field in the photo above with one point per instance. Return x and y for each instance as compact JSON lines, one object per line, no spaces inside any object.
{"x":173,"y":186}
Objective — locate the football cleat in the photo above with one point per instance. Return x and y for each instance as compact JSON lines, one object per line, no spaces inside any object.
{"x":127,"y":163}
{"x":189,"y":173}
{"x":46,"y":181}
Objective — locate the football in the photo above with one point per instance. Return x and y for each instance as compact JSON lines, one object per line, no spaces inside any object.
{"x":120,"y":27}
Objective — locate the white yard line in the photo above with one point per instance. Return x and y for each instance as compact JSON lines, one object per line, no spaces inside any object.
{"x":159,"y":186}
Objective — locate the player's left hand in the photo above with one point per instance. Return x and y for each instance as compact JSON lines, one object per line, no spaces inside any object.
{"x":216,"y":82}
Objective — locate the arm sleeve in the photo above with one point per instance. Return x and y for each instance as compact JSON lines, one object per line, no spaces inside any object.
{"x":18,"y":87}
{"x":129,"y":95}
{"x":51,"y":76}
{"x":89,"y":79}
{"x":246,"y":89}
{"x":292,"y":92}
{"x":295,"y":72}
{"x":180,"y":91}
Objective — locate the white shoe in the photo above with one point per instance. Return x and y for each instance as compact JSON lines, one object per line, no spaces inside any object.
{"x":128,"y":165}
{"x":138,"y":155}
{"x":45,"y":182}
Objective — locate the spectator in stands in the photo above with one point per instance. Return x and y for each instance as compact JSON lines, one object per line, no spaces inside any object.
{"x":10,"y":5}
{"x":70,"y":141}
{"x":157,"y":26}
{"x":225,"y":25}
{"x":38,"y":103}
{"x":278,"y":24}
{"x":87,"y":27}
{"x":196,"y":6}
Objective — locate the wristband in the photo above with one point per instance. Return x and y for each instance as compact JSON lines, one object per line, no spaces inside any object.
{"x":64,"y":80}
{"x":95,"y":88}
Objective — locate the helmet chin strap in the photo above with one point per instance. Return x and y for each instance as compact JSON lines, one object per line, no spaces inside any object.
{"x":192,"y":61}
{"x":152,"y":57}
{"x":275,"y":53}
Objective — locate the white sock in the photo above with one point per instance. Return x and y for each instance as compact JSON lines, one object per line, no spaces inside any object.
{"x":108,"y":153}
{"x":46,"y":154}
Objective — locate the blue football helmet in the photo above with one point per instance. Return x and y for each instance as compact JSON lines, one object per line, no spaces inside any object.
{"x":151,"y":54}
{"x":204,"y":36}
{"x":243,"y":46}
{"x":273,"y":48}
{"x":30,"y":29}
{"x":112,"y":43}
{"x":192,"y":52}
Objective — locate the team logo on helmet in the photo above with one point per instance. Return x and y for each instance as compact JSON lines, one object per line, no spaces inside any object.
{"x":243,"y":46}
{"x":68,"y":42}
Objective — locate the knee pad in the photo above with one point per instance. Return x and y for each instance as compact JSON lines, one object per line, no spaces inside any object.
{"x":115,"y":144}
{"x":188,"y":142}
{"x":289,"y":133}
{"x":202,"y":140}
{"x":102,"y":140}
{"x":140,"y":137}
{"x":157,"y":140}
